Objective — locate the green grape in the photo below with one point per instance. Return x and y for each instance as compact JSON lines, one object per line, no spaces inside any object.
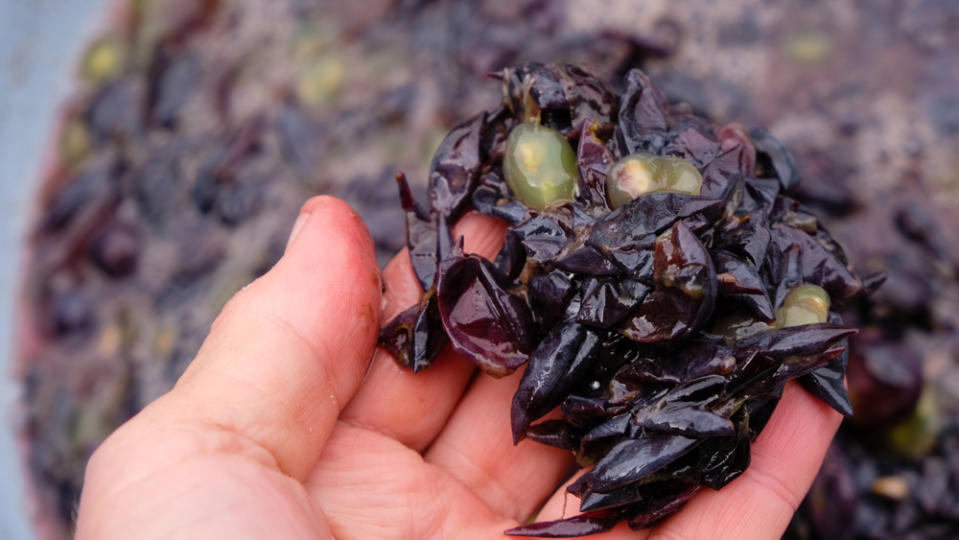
{"x":539,"y":165}
{"x":639,"y":174}
{"x":805,"y":304}
{"x":102,"y":61}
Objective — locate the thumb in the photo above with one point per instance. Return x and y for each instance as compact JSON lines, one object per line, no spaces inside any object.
{"x":288,"y":351}
{"x":284,"y":356}
{"x":257,"y":404}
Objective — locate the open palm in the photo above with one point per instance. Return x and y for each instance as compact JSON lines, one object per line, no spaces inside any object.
{"x":282,"y":428}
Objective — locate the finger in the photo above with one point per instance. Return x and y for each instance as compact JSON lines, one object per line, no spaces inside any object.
{"x":476,"y":447}
{"x":291,"y":348}
{"x":393,"y":401}
{"x":785,"y":460}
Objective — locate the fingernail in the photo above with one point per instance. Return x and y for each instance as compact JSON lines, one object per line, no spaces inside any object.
{"x":297,"y":227}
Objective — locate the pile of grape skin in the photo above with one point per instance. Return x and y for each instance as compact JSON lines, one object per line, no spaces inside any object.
{"x":657,"y":282}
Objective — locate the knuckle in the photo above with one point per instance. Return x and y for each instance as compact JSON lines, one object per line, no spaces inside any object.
{"x":775,"y":488}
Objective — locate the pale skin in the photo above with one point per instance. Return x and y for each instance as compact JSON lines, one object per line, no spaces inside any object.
{"x":283,"y":426}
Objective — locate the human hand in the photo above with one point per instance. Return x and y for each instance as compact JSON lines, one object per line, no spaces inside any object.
{"x":282,"y":427}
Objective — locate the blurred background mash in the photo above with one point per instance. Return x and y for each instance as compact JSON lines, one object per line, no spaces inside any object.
{"x":154,"y":153}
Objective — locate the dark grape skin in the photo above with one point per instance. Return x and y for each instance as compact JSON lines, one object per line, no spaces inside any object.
{"x":172,"y":77}
{"x":114,"y":111}
{"x":72,"y":314}
{"x":885,"y":381}
{"x":115,"y":250}
{"x":564,"y":356}
{"x":155,"y":197}
{"x":484,"y":321}
{"x":91,"y":192}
